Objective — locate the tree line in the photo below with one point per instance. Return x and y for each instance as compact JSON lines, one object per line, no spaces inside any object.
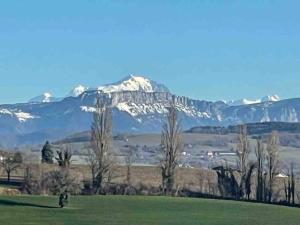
{"x":237,"y":182}
{"x":100,"y":153}
{"x":233,"y":181}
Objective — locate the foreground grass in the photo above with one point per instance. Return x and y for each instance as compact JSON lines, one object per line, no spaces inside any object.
{"x":129,"y":210}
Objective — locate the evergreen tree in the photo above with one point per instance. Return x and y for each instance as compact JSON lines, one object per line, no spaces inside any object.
{"x":47,"y":153}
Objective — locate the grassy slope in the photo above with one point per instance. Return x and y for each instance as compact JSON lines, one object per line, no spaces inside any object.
{"x":98,"y":210}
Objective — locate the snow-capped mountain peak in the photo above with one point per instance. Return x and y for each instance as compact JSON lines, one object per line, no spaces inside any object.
{"x":78,"y":90}
{"x":134,"y":83}
{"x":268,"y":98}
{"x":130,"y":83}
{"x":271,"y":98}
{"x":43,"y":98}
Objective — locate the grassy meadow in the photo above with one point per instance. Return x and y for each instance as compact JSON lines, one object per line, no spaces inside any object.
{"x":132,"y":210}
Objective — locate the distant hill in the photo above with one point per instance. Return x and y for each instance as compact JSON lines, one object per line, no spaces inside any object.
{"x":252,"y":128}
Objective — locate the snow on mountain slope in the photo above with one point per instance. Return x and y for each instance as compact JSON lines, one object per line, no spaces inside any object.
{"x":23,"y":116}
{"x":134,"y":83}
{"x":88,"y":109}
{"x":5,"y":111}
{"x":243,"y":102}
{"x":268,"y":98}
{"x":19,"y":115}
{"x":141,"y":109}
{"x":44,"y":98}
{"x":138,"y":109}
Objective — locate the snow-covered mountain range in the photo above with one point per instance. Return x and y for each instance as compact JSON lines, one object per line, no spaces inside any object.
{"x":130,"y":83}
{"x":138,"y":105}
{"x":268,"y":98}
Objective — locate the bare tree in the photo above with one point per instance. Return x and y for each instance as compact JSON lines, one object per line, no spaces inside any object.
{"x":171,"y":146}
{"x":28,"y":174}
{"x":260,"y":157}
{"x":63,"y":158}
{"x":101,"y":144}
{"x":93,"y":165}
{"x":272,"y":162}
{"x":227,"y":183}
{"x":10,"y":163}
{"x":248,"y":184}
{"x":289,"y":185}
{"x":129,"y":160}
{"x":293,"y":183}
{"x":202,"y":177}
{"x":244,"y":167}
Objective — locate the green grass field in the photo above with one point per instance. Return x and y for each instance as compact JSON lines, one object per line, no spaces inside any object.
{"x":124,"y":210}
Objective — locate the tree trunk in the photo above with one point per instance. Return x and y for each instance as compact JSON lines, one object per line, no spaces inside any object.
{"x":8,"y":176}
{"x":99,"y":184}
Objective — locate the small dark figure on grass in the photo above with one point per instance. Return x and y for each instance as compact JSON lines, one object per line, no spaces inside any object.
{"x":63,"y":199}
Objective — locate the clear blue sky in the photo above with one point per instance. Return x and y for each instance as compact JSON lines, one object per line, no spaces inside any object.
{"x":210,"y":49}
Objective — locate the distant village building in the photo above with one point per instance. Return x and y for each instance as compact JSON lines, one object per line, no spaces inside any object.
{"x":210,"y":154}
{"x":281,"y":175}
{"x":224,"y":153}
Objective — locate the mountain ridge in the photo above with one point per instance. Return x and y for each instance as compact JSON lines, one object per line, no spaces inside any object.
{"x":244,"y":101}
{"x":136,"y":108}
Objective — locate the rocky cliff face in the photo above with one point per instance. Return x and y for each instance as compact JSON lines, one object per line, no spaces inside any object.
{"x":133,"y":111}
{"x":150,"y":108}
